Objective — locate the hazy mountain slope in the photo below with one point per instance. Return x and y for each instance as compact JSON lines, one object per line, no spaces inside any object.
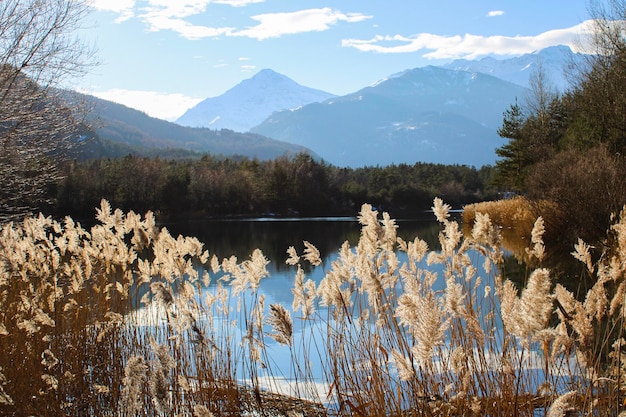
{"x":426,"y":114}
{"x":123,"y":125}
{"x":555,"y":60}
{"x":250,"y":102}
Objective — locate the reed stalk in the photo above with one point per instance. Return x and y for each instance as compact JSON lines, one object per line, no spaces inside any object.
{"x":125,"y":319}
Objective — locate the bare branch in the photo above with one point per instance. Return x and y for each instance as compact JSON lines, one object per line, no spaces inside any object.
{"x":39,"y":50}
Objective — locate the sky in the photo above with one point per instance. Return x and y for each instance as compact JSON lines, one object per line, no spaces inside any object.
{"x":164,"y":56}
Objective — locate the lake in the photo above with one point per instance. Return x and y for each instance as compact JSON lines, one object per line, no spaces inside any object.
{"x":225,"y":238}
{"x":274,"y":236}
{"x":356,"y":332}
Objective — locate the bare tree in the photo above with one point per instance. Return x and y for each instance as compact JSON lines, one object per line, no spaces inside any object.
{"x":603,"y":43}
{"x":608,"y":36}
{"x":39,"y":51}
{"x":541,"y":93}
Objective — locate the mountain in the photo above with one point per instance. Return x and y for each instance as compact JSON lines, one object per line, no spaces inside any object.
{"x":554,"y":61}
{"x":428,"y":114}
{"x":124,"y":129}
{"x":250,"y":102}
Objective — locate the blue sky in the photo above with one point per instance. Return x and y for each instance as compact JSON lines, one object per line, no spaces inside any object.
{"x":164,"y":56}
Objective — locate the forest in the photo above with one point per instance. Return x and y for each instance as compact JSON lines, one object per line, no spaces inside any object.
{"x":288,"y":186}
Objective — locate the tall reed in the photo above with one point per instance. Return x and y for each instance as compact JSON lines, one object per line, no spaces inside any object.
{"x":125,"y":319}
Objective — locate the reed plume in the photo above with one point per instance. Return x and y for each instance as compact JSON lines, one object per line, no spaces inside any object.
{"x":280,"y":320}
{"x":392,"y":328}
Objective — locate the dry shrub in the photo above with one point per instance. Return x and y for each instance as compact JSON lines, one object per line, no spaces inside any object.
{"x":397,"y":329}
{"x":588,"y":188}
{"x":515,"y":218}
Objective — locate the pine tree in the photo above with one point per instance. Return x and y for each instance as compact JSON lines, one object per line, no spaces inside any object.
{"x":514,"y":159}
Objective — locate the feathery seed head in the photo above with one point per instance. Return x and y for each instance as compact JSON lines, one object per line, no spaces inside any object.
{"x":403,"y":365}
{"x":441,"y":210}
{"x":562,"y":405}
{"x":389,"y":228}
{"x":280,"y":320}
{"x":425,"y":320}
{"x":454,"y":297}
{"x":303,"y":294}
{"x":293,"y":258}
{"x":51,"y":381}
{"x":134,"y":376}
{"x":48,"y":359}
{"x":311,"y":254}
{"x":201,"y":411}
{"x":538,"y":250}
{"x":162,"y":294}
{"x":583,"y":254}
{"x":527,"y":315}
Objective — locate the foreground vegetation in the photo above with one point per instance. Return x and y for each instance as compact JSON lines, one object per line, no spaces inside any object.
{"x":118,"y":321}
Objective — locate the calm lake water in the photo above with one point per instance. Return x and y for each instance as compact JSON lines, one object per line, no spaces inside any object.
{"x":273,"y":236}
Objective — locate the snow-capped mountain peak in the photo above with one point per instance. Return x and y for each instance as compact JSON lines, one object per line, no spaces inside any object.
{"x":250,"y":102}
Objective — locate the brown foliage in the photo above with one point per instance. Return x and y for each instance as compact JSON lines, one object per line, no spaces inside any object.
{"x":588,"y":188}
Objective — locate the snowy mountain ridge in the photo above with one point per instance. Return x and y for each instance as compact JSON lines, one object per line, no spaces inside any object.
{"x":428,"y":114}
{"x":555,"y":61}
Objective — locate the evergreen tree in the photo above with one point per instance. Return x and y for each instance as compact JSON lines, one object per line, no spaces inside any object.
{"x":514,"y":160}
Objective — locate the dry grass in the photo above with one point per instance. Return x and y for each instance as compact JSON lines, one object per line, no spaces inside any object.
{"x":118,"y":321}
{"x":513,"y":212}
{"x":515,"y":217}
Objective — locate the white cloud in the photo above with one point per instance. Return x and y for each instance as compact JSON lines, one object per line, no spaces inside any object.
{"x":166,"y":106}
{"x":273,"y":25}
{"x":171,"y":14}
{"x":494,"y":13}
{"x":185,"y":29}
{"x":237,"y":3}
{"x":247,"y":68}
{"x":470,"y":46}
{"x":124,"y":8}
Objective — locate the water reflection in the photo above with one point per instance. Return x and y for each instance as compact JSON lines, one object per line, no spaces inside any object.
{"x":225,"y":238}
{"x":518,"y":264}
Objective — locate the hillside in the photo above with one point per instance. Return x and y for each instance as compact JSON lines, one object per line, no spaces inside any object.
{"x":425,"y":114}
{"x":131,"y":129}
{"x":448,"y":114}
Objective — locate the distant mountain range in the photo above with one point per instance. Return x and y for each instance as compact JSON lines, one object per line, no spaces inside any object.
{"x":250,"y":102}
{"x":425,"y":114}
{"x":120,"y":130}
{"x":448,"y":114}
{"x":554,"y":60}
